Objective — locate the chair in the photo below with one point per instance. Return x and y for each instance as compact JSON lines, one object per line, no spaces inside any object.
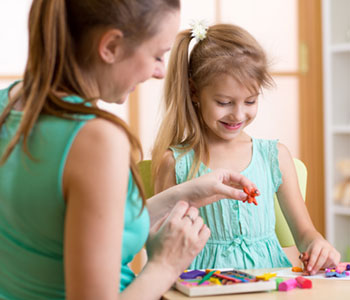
{"x":283,"y":232}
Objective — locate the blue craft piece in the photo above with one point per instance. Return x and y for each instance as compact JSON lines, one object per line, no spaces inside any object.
{"x":340,"y":274}
{"x":192,"y":274}
{"x":331,"y":274}
{"x":348,"y":267}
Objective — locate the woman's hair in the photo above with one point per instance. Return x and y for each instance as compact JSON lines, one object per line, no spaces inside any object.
{"x":62,"y":34}
{"x":226,"y":49}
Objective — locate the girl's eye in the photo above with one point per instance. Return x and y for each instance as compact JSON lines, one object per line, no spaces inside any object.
{"x":250,"y":102}
{"x":160,"y":59}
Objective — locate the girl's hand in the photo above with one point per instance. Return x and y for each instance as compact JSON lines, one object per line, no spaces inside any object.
{"x":175,"y":240}
{"x":321,"y":255}
{"x":216,"y":185}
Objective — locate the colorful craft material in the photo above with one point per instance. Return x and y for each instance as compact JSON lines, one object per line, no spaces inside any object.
{"x":266,"y":276}
{"x":192,"y":274}
{"x":278,"y":281}
{"x":206,"y":277}
{"x":297,"y":269}
{"x":303,"y":283}
{"x":251,"y":195}
{"x":214,"y":282}
{"x":287,"y":285}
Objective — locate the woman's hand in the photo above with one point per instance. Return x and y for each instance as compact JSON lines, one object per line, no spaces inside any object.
{"x":321,"y":255}
{"x":198,"y":192}
{"x":216,"y":185}
{"x":176,"y":239}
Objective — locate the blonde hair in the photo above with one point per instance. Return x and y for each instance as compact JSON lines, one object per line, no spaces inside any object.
{"x":60,"y":35}
{"x":226,"y":49}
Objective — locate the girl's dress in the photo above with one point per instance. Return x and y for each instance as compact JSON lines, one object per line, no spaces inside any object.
{"x":242,"y":234}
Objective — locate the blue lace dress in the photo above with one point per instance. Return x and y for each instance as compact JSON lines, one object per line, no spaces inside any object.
{"x":242,"y":234}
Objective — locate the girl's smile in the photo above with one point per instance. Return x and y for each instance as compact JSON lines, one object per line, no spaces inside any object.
{"x":231,"y":126}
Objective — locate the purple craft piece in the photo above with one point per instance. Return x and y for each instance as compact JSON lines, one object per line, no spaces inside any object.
{"x":192,"y":274}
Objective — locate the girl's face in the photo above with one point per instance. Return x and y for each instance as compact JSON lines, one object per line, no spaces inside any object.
{"x":146,"y":62}
{"x":227,"y":107}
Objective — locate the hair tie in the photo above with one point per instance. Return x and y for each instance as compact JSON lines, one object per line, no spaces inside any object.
{"x":199,"y":32}
{"x":199,"y":29}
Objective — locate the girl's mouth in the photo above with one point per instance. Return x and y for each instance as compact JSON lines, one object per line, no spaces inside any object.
{"x":231,"y":126}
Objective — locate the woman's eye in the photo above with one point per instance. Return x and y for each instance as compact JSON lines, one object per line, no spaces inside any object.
{"x":160,"y":59}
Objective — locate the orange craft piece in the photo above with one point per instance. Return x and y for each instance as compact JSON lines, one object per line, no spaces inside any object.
{"x":297,"y":269}
{"x":251,"y":195}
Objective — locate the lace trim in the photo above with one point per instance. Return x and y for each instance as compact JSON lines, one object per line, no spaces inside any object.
{"x":275,"y":167}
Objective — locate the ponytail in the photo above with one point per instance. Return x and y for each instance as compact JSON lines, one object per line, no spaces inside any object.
{"x":181,"y":124}
{"x":52,"y":67}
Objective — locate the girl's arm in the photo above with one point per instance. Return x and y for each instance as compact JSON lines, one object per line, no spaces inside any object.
{"x":197,"y":192}
{"x":95,"y":184}
{"x":307,"y":238}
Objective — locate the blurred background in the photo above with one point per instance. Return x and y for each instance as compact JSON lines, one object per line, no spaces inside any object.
{"x":308,"y":46}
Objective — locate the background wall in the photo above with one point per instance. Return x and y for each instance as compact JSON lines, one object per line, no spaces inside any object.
{"x":274,"y":24}
{"x":278,"y":115}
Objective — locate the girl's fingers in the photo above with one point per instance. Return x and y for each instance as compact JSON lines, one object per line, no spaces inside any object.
{"x":314,"y":253}
{"x":333,"y":260}
{"x":321,"y":260}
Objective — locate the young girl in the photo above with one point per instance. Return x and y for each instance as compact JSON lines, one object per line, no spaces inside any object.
{"x":211,"y":96}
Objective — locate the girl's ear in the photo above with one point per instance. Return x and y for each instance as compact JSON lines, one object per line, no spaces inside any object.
{"x":110,"y":45}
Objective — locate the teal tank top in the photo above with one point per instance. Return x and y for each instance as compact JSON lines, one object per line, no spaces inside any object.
{"x":242,"y":235}
{"x":32,"y":210}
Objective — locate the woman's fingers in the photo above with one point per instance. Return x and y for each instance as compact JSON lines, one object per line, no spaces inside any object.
{"x":179,"y":210}
{"x":159,"y":223}
{"x":232,"y":184}
{"x":236,"y":180}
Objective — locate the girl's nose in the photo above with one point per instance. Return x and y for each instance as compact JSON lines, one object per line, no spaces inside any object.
{"x":238,"y":113}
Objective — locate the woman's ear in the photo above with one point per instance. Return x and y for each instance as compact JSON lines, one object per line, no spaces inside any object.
{"x":110,"y":45}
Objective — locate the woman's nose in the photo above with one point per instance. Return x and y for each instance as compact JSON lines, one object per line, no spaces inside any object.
{"x":159,"y":71}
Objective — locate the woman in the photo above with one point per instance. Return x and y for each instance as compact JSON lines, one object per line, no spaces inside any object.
{"x":71,"y":218}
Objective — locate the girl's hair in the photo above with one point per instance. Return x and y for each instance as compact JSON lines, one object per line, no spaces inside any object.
{"x":226,"y":49}
{"x":62,"y":34}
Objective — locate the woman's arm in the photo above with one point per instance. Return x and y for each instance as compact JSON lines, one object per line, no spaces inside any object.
{"x":95,"y":187}
{"x":197,"y":192}
{"x":307,"y":238}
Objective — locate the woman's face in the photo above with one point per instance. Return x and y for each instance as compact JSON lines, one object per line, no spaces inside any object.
{"x":146,"y":62}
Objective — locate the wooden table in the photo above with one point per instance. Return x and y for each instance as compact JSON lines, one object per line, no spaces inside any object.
{"x":321,"y":289}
